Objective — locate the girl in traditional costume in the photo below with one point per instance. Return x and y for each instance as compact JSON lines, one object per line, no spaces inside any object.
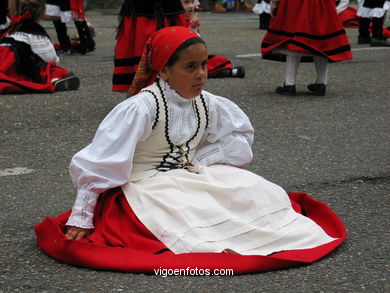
{"x":372,"y":11}
{"x":28,"y":59}
{"x":305,"y":29}
{"x":162,"y":184}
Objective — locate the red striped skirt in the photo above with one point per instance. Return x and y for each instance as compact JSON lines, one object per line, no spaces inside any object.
{"x":307,"y":26}
{"x":121,"y":242}
{"x":132,"y":36}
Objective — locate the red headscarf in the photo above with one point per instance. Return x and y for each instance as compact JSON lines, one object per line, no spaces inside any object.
{"x":157,"y":51}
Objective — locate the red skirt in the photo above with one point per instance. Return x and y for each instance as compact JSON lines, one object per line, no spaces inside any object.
{"x":13,"y":82}
{"x":216,"y":64}
{"x":132,"y":36}
{"x":121,"y":242}
{"x":349,"y":17}
{"x":307,"y":26}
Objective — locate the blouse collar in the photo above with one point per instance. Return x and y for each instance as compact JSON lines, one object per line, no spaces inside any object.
{"x":172,"y":94}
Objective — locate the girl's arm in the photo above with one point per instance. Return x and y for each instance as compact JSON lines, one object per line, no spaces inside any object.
{"x":43,"y":47}
{"x":229,"y":137}
{"x":107,"y":162}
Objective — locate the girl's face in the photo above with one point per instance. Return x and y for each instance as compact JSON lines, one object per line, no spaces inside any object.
{"x":188,"y":75}
{"x":189,"y":7}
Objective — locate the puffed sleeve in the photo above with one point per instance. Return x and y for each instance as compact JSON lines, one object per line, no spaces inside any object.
{"x":107,"y":161}
{"x":43,"y":47}
{"x":228,"y":138}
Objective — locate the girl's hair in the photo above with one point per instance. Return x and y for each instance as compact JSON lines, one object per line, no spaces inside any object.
{"x":35,"y":7}
{"x":176,"y":55}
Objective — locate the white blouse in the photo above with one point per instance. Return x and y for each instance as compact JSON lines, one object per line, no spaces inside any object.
{"x":107,"y":162}
{"x":40,"y":45}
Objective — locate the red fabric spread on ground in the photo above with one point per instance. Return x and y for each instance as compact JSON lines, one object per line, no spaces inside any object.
{"x":349,"y":17}
{"x":12,"y":82}
{"x":132,"y":37}
{"x":121,"y":242}
{"x":307,"y":26}
{"x":217,"y":63}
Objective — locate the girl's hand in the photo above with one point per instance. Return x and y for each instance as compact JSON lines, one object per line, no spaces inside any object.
{"x":195,"y":20}
{"x":76,"y":232}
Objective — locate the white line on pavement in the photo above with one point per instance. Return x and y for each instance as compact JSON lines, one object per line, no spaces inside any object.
{"x":15,"y":171}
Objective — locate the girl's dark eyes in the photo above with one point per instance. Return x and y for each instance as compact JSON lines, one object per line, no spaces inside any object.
{"x":192,"y":66}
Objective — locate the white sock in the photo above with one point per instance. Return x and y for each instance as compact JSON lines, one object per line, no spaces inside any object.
{"x":292,"y":65}
{"x":321,"y":65}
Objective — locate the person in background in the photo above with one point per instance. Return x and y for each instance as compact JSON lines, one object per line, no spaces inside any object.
{"x":263,"y":9}
{"x":138,"y":19}
{"x":217,"y":66}
{"x":63,"y":11}
{"x":28,"y":59}
{"x":372,"y":11}
{"x":317,"y":35}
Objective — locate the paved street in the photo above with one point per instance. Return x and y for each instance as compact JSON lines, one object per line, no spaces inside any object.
{"x":335,"y":148}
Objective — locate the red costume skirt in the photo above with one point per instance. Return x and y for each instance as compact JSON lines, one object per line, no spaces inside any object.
{"x":121,"y":242}
{"x":307,"y":26}
{"x":349,"y":17}
{"x":13,"y":82}
{"x":132,"y":36}
{"x":215,"y":64}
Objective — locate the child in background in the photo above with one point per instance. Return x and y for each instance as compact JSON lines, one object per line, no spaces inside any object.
{"x":138,"y":19}
{"x":28,"y":59}
{"x":63,"y":11}
{"x":217,"y":66}
{"x":159,"y":184}
{"x":372,"y":11}
{"x":263,"y":9}
{"x":318,"y":35}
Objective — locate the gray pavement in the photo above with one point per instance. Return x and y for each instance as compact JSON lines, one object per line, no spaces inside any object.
{"x":336,"y":148}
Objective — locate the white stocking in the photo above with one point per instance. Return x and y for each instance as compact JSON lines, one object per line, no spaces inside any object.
{"x":292,"y":65}
{"x":321,"y":64}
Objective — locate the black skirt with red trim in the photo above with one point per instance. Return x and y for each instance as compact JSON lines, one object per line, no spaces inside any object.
{"x":138,"y":20}
{"x":306,"y":26}
{"x":121,"y":242}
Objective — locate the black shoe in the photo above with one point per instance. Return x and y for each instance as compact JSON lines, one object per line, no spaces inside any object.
{"x":286,"y":90}
{"x":317,"y":89}
{"x":363,"y":40}
{"x":379,"y":43}
{"x":69,"y":83}
{"x":238,"y":71}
